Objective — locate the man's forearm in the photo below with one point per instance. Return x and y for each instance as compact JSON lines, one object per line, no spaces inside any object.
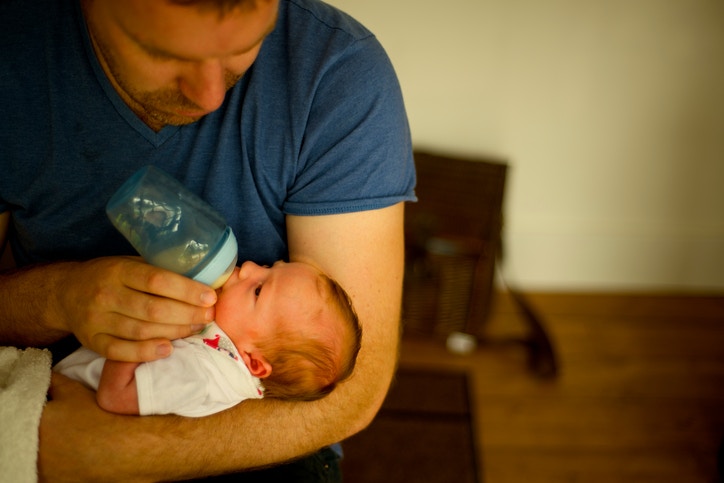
{"x":362,"y":251}
{"x":24,"y":298}
{"x":253,"y":434}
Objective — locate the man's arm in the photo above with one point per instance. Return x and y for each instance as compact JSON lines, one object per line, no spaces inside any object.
{"x":6,"y":260}
{"x":117,"y":389}
{"x":119,"y":307}
{"x":364,"y":252}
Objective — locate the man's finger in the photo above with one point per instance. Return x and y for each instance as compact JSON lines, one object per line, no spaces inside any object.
{"x":133,"y":329}
{"x":131,"y":351}
{"x":146,"y":278}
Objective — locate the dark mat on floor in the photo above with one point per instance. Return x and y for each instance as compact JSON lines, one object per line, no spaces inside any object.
{"x":423,"y":433}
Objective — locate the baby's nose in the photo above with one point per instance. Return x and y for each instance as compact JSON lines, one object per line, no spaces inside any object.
{"x":247,"y":269}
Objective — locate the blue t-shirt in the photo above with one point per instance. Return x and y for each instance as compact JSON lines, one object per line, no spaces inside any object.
{"x":316,"y":126}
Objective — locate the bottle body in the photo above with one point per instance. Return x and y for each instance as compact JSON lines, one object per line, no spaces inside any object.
{"x":172,"y":228}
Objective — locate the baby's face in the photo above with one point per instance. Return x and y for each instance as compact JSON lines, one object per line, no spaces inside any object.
{"x":255,"y":297}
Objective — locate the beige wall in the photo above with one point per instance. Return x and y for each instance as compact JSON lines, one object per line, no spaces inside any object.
{"x":610,"y":112}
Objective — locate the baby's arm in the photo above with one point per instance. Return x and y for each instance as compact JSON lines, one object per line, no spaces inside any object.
{"x":117,"y":391}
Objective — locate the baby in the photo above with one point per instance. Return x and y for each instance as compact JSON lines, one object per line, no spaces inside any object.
{"x":286,"y":331}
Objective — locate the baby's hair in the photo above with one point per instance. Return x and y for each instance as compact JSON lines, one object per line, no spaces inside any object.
{"x":305,"y":370}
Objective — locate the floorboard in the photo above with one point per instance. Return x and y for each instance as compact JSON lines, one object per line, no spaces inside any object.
{"x":639,"y":397}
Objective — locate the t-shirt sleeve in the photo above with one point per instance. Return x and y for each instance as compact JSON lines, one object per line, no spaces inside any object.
{"x":357,"y":148}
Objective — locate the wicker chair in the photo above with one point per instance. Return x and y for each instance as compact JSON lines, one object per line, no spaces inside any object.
{"x":453,"y":237}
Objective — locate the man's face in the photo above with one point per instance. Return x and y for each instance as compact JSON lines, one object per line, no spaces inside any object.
{"x":172,"y":64}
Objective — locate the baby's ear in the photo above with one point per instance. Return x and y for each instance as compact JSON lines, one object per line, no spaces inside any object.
{"x":257,"y":364}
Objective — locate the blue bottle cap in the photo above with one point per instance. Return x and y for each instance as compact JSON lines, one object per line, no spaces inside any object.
{"x":219,"y":264}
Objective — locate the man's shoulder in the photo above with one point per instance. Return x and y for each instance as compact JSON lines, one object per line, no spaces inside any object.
{"x":26,"y":18}
{"x":28,"y":29}
{"x":312,"y":35}
{"x":323,"y":16}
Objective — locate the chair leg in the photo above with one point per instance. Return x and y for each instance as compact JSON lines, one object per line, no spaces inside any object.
{"x":542,"y":357}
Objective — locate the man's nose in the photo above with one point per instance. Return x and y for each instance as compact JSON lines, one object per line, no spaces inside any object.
{"x":204,"y":84}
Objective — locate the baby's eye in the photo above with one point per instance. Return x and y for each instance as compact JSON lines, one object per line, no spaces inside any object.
{"x":257,"y":291}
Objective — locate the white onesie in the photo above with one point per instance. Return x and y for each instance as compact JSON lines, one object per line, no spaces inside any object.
{"x":204,"y":375}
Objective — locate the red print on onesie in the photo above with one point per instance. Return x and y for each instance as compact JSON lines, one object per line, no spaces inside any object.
{"x":221,"y":345}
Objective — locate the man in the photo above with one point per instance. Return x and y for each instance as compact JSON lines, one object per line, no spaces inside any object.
{"x":283,"y":114}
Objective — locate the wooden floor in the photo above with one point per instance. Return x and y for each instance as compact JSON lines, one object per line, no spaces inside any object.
{"x":639,"y":397}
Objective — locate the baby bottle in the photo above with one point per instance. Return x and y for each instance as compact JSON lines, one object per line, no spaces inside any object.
{"x":172,"y":228}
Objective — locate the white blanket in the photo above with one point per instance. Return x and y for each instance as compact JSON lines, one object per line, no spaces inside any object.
{"x":24,"y":382}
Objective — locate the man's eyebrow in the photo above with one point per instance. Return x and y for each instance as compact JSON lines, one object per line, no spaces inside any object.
{"x":160,"y":53}
{"x":157,"y":52}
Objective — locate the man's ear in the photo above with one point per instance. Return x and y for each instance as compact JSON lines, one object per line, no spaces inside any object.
{"x":257,"y":364}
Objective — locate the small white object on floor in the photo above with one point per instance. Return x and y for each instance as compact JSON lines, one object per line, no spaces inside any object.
{"x":461,"y":344}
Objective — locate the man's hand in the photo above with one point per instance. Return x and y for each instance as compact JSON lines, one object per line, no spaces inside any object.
{"x":128,"y":310}
{"x":120,"y":307}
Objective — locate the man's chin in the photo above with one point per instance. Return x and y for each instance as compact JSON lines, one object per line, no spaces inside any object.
{"x":175,"y":119}
{"x":183,"y":121}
